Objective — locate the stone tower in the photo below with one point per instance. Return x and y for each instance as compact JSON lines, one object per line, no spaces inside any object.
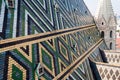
{"x":106,"y":22}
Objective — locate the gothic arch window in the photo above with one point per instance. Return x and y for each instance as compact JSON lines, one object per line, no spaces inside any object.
{"x":102,"y":34}
{"x":111,"y":45}
{"x":111,"y":33}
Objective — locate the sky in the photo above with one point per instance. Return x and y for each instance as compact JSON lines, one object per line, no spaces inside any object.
{"x":93,"y":4}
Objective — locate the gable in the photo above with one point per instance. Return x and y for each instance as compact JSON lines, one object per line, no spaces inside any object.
{"x":112,"y":20}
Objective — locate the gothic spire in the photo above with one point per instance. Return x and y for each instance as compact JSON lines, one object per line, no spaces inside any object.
{"x":104,"y":10}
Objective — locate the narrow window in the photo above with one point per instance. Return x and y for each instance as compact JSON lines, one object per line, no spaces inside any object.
{"x":111,"y":45}
{"x":111,"y":33}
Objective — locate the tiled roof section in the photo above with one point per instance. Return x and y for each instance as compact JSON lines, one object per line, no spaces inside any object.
{"x":108,"y":71}
{"x":113,"y":57}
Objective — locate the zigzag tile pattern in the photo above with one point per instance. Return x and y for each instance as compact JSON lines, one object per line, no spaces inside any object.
{"x":67,"y":31}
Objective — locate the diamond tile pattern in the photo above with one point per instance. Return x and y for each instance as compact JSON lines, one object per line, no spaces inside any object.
{"x":113,"y":57}
{"x":108,"y":72}
{"x":108,"y":76}
{"x":47,"y":18}
{"x":54,"y":53}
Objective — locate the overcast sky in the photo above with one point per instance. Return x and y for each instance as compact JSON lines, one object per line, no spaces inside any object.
{"x":93,"y":4}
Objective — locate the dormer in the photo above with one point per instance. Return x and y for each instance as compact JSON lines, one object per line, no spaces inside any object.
{"x":11,"y":3}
